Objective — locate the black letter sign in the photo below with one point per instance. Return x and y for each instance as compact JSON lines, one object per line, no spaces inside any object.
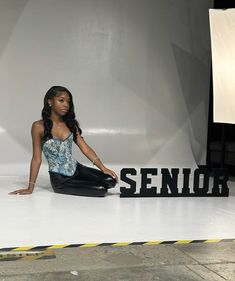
{"x":123,"y":177}
{"x":221,"y":177}
{"x":200,"y":191}
{"x":171,"y":181}
{"x":169,"y":188}
{"x":144,"y":191}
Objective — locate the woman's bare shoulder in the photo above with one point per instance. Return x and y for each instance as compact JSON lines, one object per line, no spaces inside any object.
{"x":38,"y":126}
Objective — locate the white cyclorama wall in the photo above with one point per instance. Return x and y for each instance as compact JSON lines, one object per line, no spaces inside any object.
{"x":222,"y":26}
{"x":139,"y":72}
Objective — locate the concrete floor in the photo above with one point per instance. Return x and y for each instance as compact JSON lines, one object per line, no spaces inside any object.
{"x":189,"y":262}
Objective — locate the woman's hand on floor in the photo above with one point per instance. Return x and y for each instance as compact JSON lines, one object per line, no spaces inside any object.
{"x":22,"y":191}
{"x":111,"y":173}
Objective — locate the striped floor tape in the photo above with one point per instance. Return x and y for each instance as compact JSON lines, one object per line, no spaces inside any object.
{"x":116,"y":244}
{"x":26,"y":255}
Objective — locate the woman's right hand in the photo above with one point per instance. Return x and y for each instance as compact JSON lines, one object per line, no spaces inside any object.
{"x":22,"y":191}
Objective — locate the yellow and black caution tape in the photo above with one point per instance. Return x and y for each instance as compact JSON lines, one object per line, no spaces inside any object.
{"x":40,"y":249}
{"x":26,"y":255}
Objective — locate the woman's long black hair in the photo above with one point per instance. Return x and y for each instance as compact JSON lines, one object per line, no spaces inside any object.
{"x":69,"y":117}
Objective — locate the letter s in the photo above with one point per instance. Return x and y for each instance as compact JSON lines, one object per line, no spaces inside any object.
{"x":123,"y":176}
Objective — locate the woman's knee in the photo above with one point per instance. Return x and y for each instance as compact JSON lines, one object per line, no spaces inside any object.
{"x":109,"y":181}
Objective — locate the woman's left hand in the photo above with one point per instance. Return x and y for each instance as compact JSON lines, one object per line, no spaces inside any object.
{"x":22,"y":191}
{"x":111,"y":173}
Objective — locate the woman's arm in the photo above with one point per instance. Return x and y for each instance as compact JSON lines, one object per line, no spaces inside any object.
{"x":36,"y":160}
{"x":92,"y":156}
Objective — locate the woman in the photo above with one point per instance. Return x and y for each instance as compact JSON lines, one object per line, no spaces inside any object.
{"x":54,"y":135}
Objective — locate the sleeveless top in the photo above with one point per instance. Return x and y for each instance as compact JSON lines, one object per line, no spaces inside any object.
{"x":59,"y":155}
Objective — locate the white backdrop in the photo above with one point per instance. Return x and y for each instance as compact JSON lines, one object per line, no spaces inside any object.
{"x":139,"y":71}
{"x":222,"y":26}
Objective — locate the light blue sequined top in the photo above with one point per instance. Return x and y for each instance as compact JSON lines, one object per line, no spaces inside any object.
{"x":59,"y":155}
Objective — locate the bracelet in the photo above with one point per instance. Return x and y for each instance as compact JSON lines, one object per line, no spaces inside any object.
{"x":31,"y":182}
{"x":95,"y":160}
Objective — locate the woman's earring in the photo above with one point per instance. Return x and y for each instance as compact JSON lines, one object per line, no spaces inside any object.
{"x":49,"y":104}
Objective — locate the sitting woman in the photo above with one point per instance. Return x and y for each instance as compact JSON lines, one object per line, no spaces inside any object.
{"x":54,"y":135}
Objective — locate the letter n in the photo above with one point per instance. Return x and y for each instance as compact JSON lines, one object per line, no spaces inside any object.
{"x":170,"y":180}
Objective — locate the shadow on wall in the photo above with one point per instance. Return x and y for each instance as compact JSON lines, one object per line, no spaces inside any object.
{"x":193,"y":75}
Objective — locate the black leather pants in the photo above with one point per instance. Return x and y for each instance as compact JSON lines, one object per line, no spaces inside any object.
{"x":86,"y":181}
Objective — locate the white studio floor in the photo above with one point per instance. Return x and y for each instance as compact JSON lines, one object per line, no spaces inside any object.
{"x":47,"y":218}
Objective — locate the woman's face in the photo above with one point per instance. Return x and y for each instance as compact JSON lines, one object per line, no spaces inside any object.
{"x":60,"y":103}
